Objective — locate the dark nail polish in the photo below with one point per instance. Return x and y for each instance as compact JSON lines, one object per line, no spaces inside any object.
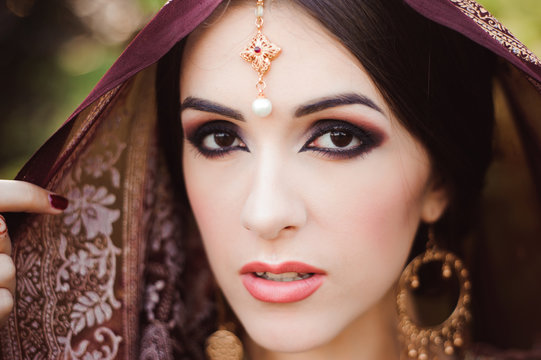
{"x":58,"y":202}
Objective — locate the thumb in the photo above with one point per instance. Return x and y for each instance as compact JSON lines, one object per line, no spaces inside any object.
{"x":21,"y":196}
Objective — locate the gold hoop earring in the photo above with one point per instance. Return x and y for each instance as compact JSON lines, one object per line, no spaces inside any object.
{"x":223,"y":344}
{"x":448,"y":336}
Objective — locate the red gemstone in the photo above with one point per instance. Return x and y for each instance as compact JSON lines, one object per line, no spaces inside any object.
{"x":257,"y":49}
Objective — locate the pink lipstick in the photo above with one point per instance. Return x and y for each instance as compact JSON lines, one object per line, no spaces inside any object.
{"x":281,"y":283}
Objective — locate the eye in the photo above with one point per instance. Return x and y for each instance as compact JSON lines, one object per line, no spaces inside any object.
{"x":337,"y":139}
{"x":341,"y":139}
{"x":220,"y":140}
{"x":216,"y":138}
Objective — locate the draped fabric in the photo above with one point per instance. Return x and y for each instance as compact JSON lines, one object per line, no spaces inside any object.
{"x":110,"y":278}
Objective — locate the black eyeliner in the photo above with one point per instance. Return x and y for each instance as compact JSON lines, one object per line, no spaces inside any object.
{"x":197,"y":136}
{"x":369,"y":139}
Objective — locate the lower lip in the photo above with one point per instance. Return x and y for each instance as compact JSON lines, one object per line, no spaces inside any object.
{"x":281,"y":291}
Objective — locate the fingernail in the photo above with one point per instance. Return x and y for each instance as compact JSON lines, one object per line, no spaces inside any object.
{"x":3,"y":226}
{"x":58,"y":202}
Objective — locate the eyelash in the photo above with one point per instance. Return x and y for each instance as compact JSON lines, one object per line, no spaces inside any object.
{"x":367,"y":139}
{"x":215,"y":127}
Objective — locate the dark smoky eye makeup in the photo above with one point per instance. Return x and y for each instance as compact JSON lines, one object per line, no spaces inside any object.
{"x":339,"y":139}
{"x":216,"y":138}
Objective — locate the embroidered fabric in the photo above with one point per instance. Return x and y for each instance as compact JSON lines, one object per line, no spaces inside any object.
{"x":495,"y":29}
{"x":80,"y":294}
{"x":110,"y":278}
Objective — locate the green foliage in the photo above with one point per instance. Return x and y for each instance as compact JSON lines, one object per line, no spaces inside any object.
{"x":522,"y":17}
{"x":48,"y":68}
{"x":150,"y":6}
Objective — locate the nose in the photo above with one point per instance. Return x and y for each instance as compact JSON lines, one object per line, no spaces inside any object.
{"x":273,"y":204}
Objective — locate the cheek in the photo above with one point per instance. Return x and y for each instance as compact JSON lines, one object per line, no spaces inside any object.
{"x":390,"y":211}
{"x":215,"y":196}
{"x":372,"y":213}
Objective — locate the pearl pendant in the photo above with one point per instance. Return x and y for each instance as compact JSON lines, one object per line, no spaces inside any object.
{"x":262,"y":107}
{"x":259,"y":11}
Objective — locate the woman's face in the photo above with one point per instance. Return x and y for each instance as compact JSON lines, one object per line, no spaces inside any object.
{"x":308,"y":215}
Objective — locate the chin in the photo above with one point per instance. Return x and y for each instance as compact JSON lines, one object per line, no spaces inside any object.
{"x":290,"y":334}
{"x":290,"y":342}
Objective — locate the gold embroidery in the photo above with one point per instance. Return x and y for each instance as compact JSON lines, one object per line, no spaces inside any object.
{"x":495,"y":29}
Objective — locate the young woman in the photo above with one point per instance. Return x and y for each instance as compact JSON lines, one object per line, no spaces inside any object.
{"x":305,"y":187}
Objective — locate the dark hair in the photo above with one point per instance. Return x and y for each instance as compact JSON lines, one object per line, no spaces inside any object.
{"x":436,"y":81}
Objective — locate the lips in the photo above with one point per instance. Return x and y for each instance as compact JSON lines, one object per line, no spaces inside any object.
{"x":281,"y":283}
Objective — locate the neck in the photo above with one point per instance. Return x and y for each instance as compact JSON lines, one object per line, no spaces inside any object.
{"x":372,"y":336}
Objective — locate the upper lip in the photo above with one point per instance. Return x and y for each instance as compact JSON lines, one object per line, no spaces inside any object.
{"x":284,"y":267}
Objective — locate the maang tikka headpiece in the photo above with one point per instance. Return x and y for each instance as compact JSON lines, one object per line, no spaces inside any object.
{"x":260,"y":52}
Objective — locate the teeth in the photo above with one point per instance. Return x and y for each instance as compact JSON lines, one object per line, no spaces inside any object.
{"x":288,"y":276}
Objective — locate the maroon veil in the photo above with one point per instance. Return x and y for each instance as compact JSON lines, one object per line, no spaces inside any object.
{"x":110,"y":279}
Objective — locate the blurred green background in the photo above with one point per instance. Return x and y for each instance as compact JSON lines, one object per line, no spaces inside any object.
{"x":52,"y":53}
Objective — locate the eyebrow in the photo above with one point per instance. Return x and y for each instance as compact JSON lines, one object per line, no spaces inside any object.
{"x":319,"y":105}
{"x":334,"y":101}
{"x":210,"y":106}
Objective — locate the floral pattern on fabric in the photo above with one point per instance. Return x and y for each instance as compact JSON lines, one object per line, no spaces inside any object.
{"x":67,"y":264}
{"x":495,"y":29}
{"x":86,"y":254}
{"x":89,"y":211}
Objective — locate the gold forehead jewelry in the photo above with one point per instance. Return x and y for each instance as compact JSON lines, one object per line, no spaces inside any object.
{"x":260,"y":52}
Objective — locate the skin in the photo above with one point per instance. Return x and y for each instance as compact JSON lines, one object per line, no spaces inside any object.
{"x":353,"y":217}
{"x":7,"y":273}
{"x":275,"y":194}
{"x":16,"y":196}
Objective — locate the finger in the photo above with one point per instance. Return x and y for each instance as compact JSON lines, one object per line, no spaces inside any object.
{"x":6,"y":305}
{"x":5,"y":241}
{"x":21,"y":196}
{"x":7,"y":273}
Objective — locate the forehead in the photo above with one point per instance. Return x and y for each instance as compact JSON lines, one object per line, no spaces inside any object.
{"x":312,"y":64}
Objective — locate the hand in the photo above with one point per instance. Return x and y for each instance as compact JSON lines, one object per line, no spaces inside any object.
{"x":19,"y":196}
